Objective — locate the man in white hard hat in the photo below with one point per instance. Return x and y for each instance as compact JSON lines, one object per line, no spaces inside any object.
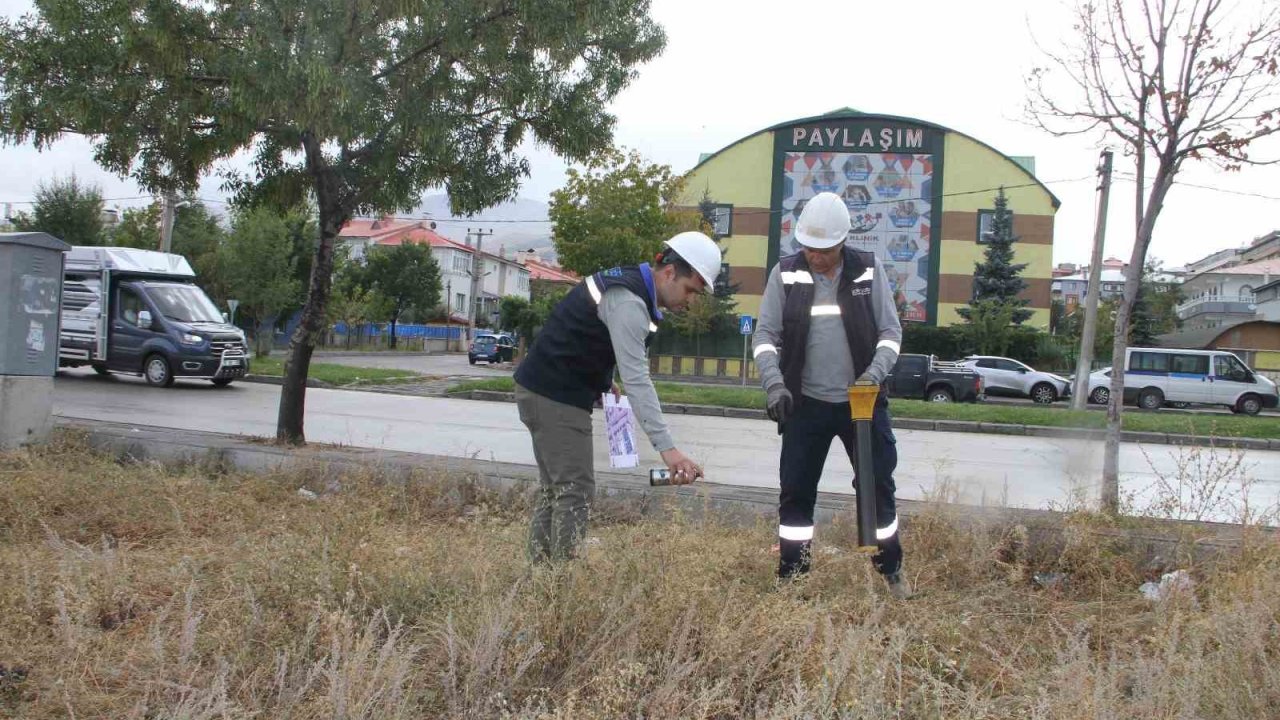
{"x":608,"y":320}
{"x":828,"y":319}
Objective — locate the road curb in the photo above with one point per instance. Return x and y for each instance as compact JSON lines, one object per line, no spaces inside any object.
{"x":273,"y":380}
{"x":960,"y":426}
{"x":739,"y":505}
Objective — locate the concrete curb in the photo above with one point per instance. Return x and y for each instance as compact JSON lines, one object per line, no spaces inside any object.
{"x":741,"y":505}
{"x":959,"y":426}
{"x":273,"y":380}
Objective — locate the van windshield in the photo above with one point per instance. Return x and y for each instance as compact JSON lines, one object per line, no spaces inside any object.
{"x":184,"y":303}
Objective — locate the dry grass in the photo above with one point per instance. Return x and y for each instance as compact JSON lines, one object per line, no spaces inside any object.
{"x":132,"y":591}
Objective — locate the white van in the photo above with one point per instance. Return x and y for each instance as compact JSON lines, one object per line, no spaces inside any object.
{"x":1156,"y":376}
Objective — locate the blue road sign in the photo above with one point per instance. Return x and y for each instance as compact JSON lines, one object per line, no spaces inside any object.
{"x":745,"y":323}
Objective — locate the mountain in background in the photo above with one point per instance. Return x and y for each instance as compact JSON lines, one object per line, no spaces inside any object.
{"x":520,"y":224}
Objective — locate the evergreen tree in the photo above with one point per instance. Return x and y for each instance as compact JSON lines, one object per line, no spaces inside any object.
{"x":998,"y":278}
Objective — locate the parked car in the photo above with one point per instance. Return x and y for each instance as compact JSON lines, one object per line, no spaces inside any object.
{"x":1009,"y":378}
{"x":922,"y":377}
{"x":1156,"y":377}
{"x":492,"y":348}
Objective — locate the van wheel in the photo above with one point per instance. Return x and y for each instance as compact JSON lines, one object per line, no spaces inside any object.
{"x":1044,"y":394}
{"x":1100,"y":396}
{"x":1151,"y":399}
{"x":157,"y":370}
{"x":1249,"y":405}
{"x":940,"y":395}
{"x":101,"y":369}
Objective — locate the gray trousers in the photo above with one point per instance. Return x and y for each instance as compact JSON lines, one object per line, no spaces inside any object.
{"x":566,"y":479}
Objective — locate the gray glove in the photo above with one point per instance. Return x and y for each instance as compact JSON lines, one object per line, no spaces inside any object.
{"x":779,"y":403}
{"x":881,"y":365}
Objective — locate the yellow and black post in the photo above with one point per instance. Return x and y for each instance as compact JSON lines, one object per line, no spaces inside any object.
{"x":862,"y":403}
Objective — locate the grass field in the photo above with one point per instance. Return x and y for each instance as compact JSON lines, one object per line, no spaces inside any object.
{"x":333,"y":373}
{"x":133,"y":591}
{"x":1166,"y":421}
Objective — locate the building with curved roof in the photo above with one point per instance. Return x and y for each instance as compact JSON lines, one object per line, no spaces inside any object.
{"x":921,"y":196}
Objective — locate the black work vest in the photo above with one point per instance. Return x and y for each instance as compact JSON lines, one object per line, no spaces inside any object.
{"x":572,"y":358}
{"x":853,"y":295}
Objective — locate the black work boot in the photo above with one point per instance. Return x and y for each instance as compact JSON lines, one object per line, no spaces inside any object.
{"x":899,"y":586}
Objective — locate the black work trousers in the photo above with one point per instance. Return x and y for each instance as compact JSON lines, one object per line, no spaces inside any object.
{"x":806,"y":440}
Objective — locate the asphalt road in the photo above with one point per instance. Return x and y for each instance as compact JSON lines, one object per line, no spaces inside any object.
{"x":979,"y":469}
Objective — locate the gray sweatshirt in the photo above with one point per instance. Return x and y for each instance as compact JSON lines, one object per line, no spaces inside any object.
{"x":627,"y":317}
{"x":829,"y":378}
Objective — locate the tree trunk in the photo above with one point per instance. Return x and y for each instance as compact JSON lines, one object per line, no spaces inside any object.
{"x":392,"y":337}
{"x":293,"y":391}
{"x":1110,"y":497}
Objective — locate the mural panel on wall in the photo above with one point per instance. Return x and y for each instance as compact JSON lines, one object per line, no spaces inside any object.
{"x":890,"y":200}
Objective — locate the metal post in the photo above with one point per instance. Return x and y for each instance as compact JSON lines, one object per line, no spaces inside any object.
{"x":1093,"y":290}
{"x":476,"y":266}
{"x":862,"y":403}
{"x":169,"y":201}
{"x":746,"y":340}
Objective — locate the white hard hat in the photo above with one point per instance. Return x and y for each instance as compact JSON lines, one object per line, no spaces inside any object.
{"x":824,"y":222}
{"x":700,"y":251}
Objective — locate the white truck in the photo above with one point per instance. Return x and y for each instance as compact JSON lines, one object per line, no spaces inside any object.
{"x":140,"y":312}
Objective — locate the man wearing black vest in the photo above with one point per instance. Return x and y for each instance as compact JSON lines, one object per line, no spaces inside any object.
{"x":606,"y":321}
{"x":828,"y":319}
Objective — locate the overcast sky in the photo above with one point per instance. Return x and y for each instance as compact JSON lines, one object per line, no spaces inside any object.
{"x":733,"y":67}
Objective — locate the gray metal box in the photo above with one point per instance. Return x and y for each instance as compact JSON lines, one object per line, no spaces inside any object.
{"x":30,"y":299}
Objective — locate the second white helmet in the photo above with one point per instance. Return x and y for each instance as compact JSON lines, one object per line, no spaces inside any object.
{"x":824,"y":222}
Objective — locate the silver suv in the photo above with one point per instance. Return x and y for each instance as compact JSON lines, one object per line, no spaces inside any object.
{"x":1010,"y":378}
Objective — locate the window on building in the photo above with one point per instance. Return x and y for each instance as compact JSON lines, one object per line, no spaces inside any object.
{"x":723,"y":215}
{"x":459,"y":302}
{"x":985,"y":217}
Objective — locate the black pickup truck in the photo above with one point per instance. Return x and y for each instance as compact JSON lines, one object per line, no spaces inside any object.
{"x":921,"y":377}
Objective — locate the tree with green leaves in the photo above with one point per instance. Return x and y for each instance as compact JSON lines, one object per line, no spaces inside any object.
{"x":407,"y":276}
{"x":198,"y":236}
{"x":616,"y":211}
{"x":259,"y":271}
{"x":361,"y":106}
{"x":68,"y":210}
{"x":138,"y":228}
{"x":353,"y":303}
{"x":998,"y":278}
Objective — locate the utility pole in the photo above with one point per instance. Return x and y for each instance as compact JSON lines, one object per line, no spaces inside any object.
{"x":477,"y":264}
{"x":166,"y":221}
{"x":448,"y":314}
{"x":1093,"y":290}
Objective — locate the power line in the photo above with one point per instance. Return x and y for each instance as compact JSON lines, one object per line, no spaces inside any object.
{"x":1132,"y":177}
{"x":484,"y":221}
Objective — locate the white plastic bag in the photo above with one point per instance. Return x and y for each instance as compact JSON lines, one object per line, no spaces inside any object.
{"x":619,"y":422}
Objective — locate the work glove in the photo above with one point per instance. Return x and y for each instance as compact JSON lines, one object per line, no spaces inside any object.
{"x":779,"y":403}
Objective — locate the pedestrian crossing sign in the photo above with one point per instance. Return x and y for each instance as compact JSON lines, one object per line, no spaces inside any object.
{"x":744,"y":324}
